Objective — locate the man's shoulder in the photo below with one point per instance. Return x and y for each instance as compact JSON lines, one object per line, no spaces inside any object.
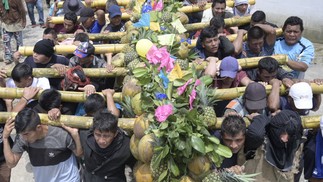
{"x":61,"y":59}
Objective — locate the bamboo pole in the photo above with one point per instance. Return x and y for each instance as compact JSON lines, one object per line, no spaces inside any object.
{"x":185,"y":9}
{"x":128,"y":123}
{"x":69,"y":49}
{"x":218,"y":94}
{"x":229,"y":22}
{"x":245,"y":63}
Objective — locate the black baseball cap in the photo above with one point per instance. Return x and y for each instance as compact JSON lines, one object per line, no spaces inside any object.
{"x":85,"y":14}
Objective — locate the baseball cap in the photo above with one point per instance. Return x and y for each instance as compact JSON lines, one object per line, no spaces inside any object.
{"x":255,"y":96}
{"x":85,"y":14}
{"x":114,"y":10}
{"x":229,"y":67}
{"x":239,"y":2}
{"x":302,"y":95}
{"x":84,"y":49}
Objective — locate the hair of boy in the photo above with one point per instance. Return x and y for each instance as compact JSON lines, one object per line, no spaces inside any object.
{"x":255,"y":32}
{"x":94,"y":103}
{"x":49,"y":99}
{"x":26,"y":120}
{"x":208,"y":32}
{"x":233,"y":125}
{"x":71,"y":16}
{"x":269,"y":64}
{"x":21,"y":70}
{"x":105,"y":121}
{"x":294,"y":20}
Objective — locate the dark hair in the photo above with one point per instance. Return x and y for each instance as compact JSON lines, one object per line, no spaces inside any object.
{"x":49,"y":99}
{"x":50,"y":31}
{"x":82,"y":37}
{"x":233,"y":125}
{"x":218,"y":1}
{"x":104,"y":121}
{"x":217,"y":22}
{"x":269,"y":64}
{"x":26,"y":120}
{"x":21,"y":70}
{"x":71,"y":16}
{"x":294,"y":20}
{"x":94,"y":103}
{"x":258,"y":16}
{"x":208,"y":32}
{"x":255,"y":32}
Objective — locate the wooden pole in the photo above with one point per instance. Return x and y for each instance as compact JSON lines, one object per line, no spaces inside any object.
{"x":127,"y":123}
{"x":218,"y":94}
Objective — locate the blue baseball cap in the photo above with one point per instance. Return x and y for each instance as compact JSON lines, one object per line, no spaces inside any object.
{"x":114,"y":11}
{"x":85,"y":49}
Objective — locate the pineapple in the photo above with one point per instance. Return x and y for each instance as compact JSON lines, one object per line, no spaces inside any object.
{"x":183,"y":63}
{"x":127,"y":48}
{"x":130,"y":55}
{"x":207,"y":103}
{"x":161,"y":168}
{"x":132,"y":65}
{"x":167,"y":16}
{"x":212,"y":177}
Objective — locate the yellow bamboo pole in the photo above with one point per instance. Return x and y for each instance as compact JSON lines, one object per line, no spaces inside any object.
{"x":218,"y":94}
{"x":69,"y":49}
{"x":185,"y":9}
{"x":96,"y":36}
{"x":128,"y":123}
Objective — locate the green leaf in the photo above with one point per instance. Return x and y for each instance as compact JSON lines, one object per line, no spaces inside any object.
{"x":173,"y":134}
{"x":169,"y":90}
{"x":206,"y":79}
{"x":173,"y":167}
{"x":208,"y":148}
{"x":223,"y":151}
{"x":165,"y":151}
{"x":140,"y":72}
{"x":198,"y":144}
{"x":162,"y":175}
{"x":179,"y":82}
{"x":180,"y":145}
{"x":214,"y":139}
{"x":163,"y":125}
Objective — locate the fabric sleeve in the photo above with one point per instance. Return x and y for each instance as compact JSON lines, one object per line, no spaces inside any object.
{"x":70,"y":144}
{"x":307,"y":55}
{"x":281,"y":74}
{"x":43,"y":83}
{"x":240,"y":76}
{"x":19,"y":145}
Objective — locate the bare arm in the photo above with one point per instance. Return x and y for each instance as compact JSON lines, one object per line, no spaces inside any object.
{"x":28,"y":94}
{"x":78,"y":151}
{"x":298,"y":66}
{"x":273,"y":101}
{"x":212,"y":67}
{"x":11,"y":158}
{"x":270,"y":33}
{"x":237,"y":43}
{"x":110,"y":103}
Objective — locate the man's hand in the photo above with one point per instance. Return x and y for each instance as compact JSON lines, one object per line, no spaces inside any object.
{"x":60,"y":68}
{"x":287,"y":82}
{"x":30,"y":92}
{"x":108,"y":92}
{"x":318,"y":81}
{"x":275,"y":82}
{"x":236,"y":169}
{"x":109,"y":67}
{"x":8,"y":127}
{"x":3,"y":73}
{"x":54,"y":114}
{"x":88,"y":89}
{"x":72,"y":131}
{"x":252,"y":115}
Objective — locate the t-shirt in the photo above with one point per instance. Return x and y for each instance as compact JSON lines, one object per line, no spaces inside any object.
{"x":119,"y":28}
{"x":96,"y":27}
{"x":266,"y":50}
{"x":302,"y":51}
{"x":51,"y":157}
{"x":37,"y":82}
{"x":56,"y":59}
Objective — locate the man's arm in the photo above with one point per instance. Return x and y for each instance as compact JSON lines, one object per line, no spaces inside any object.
{"x":28,"y":94}
{"x":11,"y":158}
{"x":270,"y":33}
{"x":78,"y":151}
{"x":110,"y":103}
{"x":237,"y":43}
{"x":273,"y":102}
{"x":298,"y":66}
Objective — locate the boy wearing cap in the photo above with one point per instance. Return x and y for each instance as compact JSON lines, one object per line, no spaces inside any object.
{"x":253,"y":101}
{"x":84,"y":56}
{"x":90,"y":24}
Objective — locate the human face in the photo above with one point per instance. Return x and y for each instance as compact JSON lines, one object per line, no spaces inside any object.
{"x":242,"y":8}
{"x":265,"y":76}
{"x":104,"y":139}
{"x":211,"y":45}
{"x":284,"y":137}
{"x":292,"y":34}
{"x":115,"y":21}
{"x":31,"y":136}
{"x":235,"y":143}
{"x":40,"y":58}
{"x":218,"y":9}
{"x":24,"y":82}
{"x":88,"y":23}
{"x":69,"y":26}
{"x":256,"y":45}
{"x":227,"y":82}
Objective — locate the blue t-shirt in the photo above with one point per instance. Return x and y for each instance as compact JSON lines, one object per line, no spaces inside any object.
{"x":96,"y":27}
{"x":302,"y":51}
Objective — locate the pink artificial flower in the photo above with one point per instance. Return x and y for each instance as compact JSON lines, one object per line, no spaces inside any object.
{"x":158,"y":6}
{"x":197,"y":82}
{"x":181,"y":89}
{"x":192,"y":97}
{"x":162,"y":112}
{"x":151,"y":55}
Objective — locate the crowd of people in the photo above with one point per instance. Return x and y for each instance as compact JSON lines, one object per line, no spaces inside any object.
{"x":274,"y":143}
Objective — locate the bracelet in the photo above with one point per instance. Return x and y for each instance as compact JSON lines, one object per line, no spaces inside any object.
{"x":25,"y":98}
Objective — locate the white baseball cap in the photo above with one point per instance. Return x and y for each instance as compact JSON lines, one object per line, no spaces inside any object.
{"x":302,"y":95}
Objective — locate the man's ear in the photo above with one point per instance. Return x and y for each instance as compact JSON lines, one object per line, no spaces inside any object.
{"x":38,"y":127}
